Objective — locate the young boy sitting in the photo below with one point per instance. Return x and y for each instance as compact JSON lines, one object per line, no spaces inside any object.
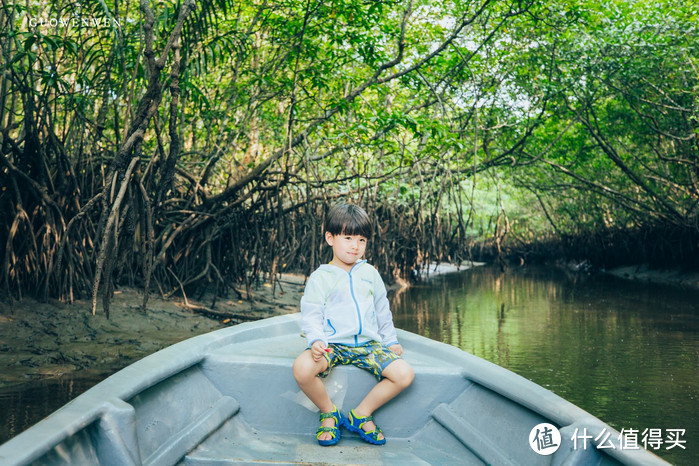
{"x":346,"y":318}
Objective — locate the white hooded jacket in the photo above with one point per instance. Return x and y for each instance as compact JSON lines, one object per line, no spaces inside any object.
{"x":348,"y":308}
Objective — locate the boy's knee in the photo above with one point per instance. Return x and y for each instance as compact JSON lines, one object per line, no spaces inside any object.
{"x":407,"y":376}
{"x":304,"y":368}
{"x":300,"y":369}
{"x":401,"y":373}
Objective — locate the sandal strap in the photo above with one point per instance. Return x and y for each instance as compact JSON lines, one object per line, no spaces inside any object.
{"x":360,"y":420}
{"x":331,"y":430}
{"x":335,"y":414}
{"x":355,"y":424}
{"x":374,"y":434}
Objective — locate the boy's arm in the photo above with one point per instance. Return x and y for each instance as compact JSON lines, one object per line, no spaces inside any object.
{"x":312,"y":313}
{"x":384,"y":317}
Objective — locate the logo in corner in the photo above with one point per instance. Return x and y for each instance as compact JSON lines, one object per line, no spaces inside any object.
{"x":545,"y":439}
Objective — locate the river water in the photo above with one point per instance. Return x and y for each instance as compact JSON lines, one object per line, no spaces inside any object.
{"x":624,"y":351}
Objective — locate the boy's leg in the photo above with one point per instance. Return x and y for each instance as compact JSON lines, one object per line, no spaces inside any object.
{"x":397,"y":376}
{"x":306,"y":372}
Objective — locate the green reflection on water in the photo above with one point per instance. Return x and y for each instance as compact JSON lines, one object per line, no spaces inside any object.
{"x":22,"y":406}
{"x":625,"y":352}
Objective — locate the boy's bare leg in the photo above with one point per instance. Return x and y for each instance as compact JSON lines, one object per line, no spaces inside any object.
{"x":397,"y":377}
{"x":306,"y":372}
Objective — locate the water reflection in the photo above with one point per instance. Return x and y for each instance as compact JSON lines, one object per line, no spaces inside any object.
{"x":24,"y":405}
{"x":623,"y":351}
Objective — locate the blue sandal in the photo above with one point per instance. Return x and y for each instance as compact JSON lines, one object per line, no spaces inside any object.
{"x":334,"y":431}
{"x":355,"y":424}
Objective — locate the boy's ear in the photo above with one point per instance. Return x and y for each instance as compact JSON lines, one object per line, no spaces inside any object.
{"x":329,"y":238}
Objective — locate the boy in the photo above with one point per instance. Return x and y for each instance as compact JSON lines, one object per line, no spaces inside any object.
{"x":347,"y":320}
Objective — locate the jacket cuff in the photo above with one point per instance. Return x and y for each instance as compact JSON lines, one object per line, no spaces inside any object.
{"x":310,"y":343}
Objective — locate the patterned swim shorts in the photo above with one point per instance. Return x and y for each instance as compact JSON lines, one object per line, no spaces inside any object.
{"x":372,"y":356}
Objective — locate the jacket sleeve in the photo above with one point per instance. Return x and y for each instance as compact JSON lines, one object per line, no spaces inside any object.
{"x":384,"y":317}
{"x":312,"y":303}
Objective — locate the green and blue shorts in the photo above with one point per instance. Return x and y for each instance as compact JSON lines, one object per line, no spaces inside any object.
{"x":372,"y":356}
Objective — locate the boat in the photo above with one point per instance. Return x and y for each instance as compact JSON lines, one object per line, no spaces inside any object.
{"x":229,"y":397}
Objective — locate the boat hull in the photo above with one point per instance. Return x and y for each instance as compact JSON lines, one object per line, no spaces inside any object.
{"x":229,"y":397}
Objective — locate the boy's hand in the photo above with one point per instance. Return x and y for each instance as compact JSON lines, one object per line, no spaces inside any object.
{"x":318,"y":349}
{"x":398,"y":349}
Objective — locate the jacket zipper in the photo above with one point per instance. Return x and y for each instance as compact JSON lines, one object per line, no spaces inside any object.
{"x":356,"y":304}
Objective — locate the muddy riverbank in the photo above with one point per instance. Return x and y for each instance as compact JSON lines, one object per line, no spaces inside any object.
{"x":43,"y":340}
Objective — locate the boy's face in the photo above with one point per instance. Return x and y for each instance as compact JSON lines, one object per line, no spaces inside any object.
{"x":347,"y":249}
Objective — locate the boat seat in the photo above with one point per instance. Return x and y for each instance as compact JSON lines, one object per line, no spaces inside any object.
{"x":445,"y":411}
{"x":277,"y":422}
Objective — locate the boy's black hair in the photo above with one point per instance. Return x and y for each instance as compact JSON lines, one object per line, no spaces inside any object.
{"x":348,"y":219}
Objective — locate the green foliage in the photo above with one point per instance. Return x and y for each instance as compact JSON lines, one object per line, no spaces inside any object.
{"x":620,"y":138}
{"x":519,"y":119}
